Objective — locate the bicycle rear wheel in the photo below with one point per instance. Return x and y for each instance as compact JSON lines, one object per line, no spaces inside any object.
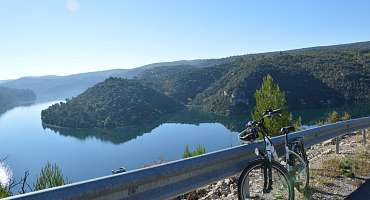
{"x":299,"y":167}
{"x":251,"y":182}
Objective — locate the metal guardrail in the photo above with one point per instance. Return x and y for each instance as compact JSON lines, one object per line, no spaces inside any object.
{"x":178,"y":177}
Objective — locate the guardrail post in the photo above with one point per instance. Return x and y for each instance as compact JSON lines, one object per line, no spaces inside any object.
{"x":337,"y":145}
{"x":364,"y":136}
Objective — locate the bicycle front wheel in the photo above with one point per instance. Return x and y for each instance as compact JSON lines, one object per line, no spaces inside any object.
{"x":251,"y":182}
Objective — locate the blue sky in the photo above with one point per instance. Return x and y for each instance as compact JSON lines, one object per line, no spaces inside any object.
{"x":39,"y":37}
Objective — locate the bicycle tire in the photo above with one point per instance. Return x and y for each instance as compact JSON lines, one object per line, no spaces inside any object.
{"x":259,"y":163}
{"x":299,"y":149}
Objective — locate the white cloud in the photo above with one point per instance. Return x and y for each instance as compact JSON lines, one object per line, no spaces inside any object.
{"x":72,"y":5}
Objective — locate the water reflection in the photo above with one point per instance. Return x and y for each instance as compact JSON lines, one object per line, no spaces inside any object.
{"x":194,"y":117}
{"x":124,"y":134}
{"x":115,"y":136}
{"x":4,"y":109}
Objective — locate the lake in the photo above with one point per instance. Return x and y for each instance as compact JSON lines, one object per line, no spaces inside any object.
{"x":85,"y":154}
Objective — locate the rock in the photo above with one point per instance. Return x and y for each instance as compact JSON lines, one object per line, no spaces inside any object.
{"x":327,"y":142}
{"x":327,"y":151}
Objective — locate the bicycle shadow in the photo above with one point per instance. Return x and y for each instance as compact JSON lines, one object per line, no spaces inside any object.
{"x":363,"y":192}
{"x":310,"y":193}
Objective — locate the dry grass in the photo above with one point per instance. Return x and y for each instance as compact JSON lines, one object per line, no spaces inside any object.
{"x":330,"y":167}
{"x":334,"y":166}
{"x":333,"y":171}
{"x":361,"y":162}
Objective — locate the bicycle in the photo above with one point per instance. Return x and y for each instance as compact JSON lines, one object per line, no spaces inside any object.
{"x":275,"y":177}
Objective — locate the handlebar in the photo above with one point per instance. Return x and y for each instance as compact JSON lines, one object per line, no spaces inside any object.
{"x":270,"y":112}
{"x":251,"y":131}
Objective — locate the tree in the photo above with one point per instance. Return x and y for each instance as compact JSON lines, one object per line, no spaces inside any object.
{"x":346,"y":116}
{"x":333,"y":117}
{"x":197,"y":152}
{"x":4,"y":191}
{"x":50,"y":176}
{"x":187,"y":153}
{"x":270,"y":96}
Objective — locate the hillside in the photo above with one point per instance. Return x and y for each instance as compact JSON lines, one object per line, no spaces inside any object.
{"x":311,"y":78}
{"x":183,"y":82}
{"x":314,"y":77}
{"x":115,"y":102}
{"x":50,"y":88}
{"x":14,"y":97}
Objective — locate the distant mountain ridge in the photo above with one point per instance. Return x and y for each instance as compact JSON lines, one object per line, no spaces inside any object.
{"x":312,"y":78}
{"x":49,"y":88}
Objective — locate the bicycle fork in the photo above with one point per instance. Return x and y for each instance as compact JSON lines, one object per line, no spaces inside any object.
{"x":267,"y":176}
{"x":267,"y":169}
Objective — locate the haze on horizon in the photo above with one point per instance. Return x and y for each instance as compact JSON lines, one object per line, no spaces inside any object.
{"x":60,"y":37}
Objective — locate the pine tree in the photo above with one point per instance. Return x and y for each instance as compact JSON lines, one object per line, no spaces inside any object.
{"x":186,"y":153}
{"x":270,"y":96}
{"x":199,"y":151}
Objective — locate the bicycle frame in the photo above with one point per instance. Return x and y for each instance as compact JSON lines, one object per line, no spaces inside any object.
{"x":288,"y":152}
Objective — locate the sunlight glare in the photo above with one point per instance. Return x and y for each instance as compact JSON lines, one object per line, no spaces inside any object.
{"x":5,"y":174}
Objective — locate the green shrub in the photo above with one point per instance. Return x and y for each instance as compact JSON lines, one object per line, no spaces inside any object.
{"x":4,"y":192}
{"x":333,"y":117}
{"x":198,"y":151}
{"x":346,"y":166}
{"x":187,"y":153}
{"x":50,"y":176}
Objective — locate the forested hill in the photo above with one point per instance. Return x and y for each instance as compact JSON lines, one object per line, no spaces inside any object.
{"x":315,"y":77}
{"x":14,"y":97}
{"x":311,"y":77}
{"x":183,"y":82}
{"x":115,"y":102}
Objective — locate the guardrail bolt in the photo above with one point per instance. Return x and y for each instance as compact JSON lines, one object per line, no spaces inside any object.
{"x":364,"y":137}
{"x":337,"y":145}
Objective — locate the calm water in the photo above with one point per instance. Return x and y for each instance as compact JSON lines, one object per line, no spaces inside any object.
{"x":92,"y":153}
